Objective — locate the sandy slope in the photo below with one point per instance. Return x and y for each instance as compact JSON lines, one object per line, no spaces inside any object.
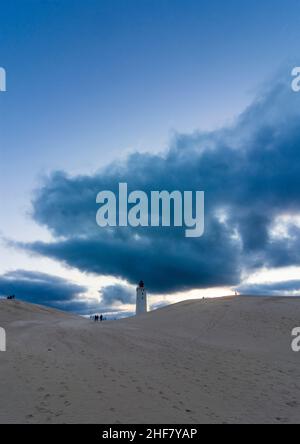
{"x":218,"y":360}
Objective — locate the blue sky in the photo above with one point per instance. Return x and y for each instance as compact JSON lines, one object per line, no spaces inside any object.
{"x":91,"y":81}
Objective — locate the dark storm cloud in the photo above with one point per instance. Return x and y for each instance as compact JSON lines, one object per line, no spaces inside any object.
{"x":166,"y":264}
{"x":116,"y":295}
{"x":271,"y":289}
{"x":250,"y":173}
{"x":44,"y":289}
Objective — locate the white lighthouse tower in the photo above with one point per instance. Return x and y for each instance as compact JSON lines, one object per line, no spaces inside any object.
{"x":141,"y":299}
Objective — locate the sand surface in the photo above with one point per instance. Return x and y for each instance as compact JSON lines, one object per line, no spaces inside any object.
{"x":204,"y":361}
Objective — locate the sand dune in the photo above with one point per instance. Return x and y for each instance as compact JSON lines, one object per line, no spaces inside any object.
{"x":203,"y":361}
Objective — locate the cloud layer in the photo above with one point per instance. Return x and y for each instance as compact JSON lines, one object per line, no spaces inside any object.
{"x":271,"y":288}
{"x":250,"y":173}
{"x":44,"y":289}
{"x":55,"y":292}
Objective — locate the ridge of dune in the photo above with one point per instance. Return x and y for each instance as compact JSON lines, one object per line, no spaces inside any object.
{"x":198,"y":361}
{"x":18,"y":306}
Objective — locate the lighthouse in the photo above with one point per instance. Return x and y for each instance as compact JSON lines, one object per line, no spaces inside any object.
{"x":141,"y":299}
